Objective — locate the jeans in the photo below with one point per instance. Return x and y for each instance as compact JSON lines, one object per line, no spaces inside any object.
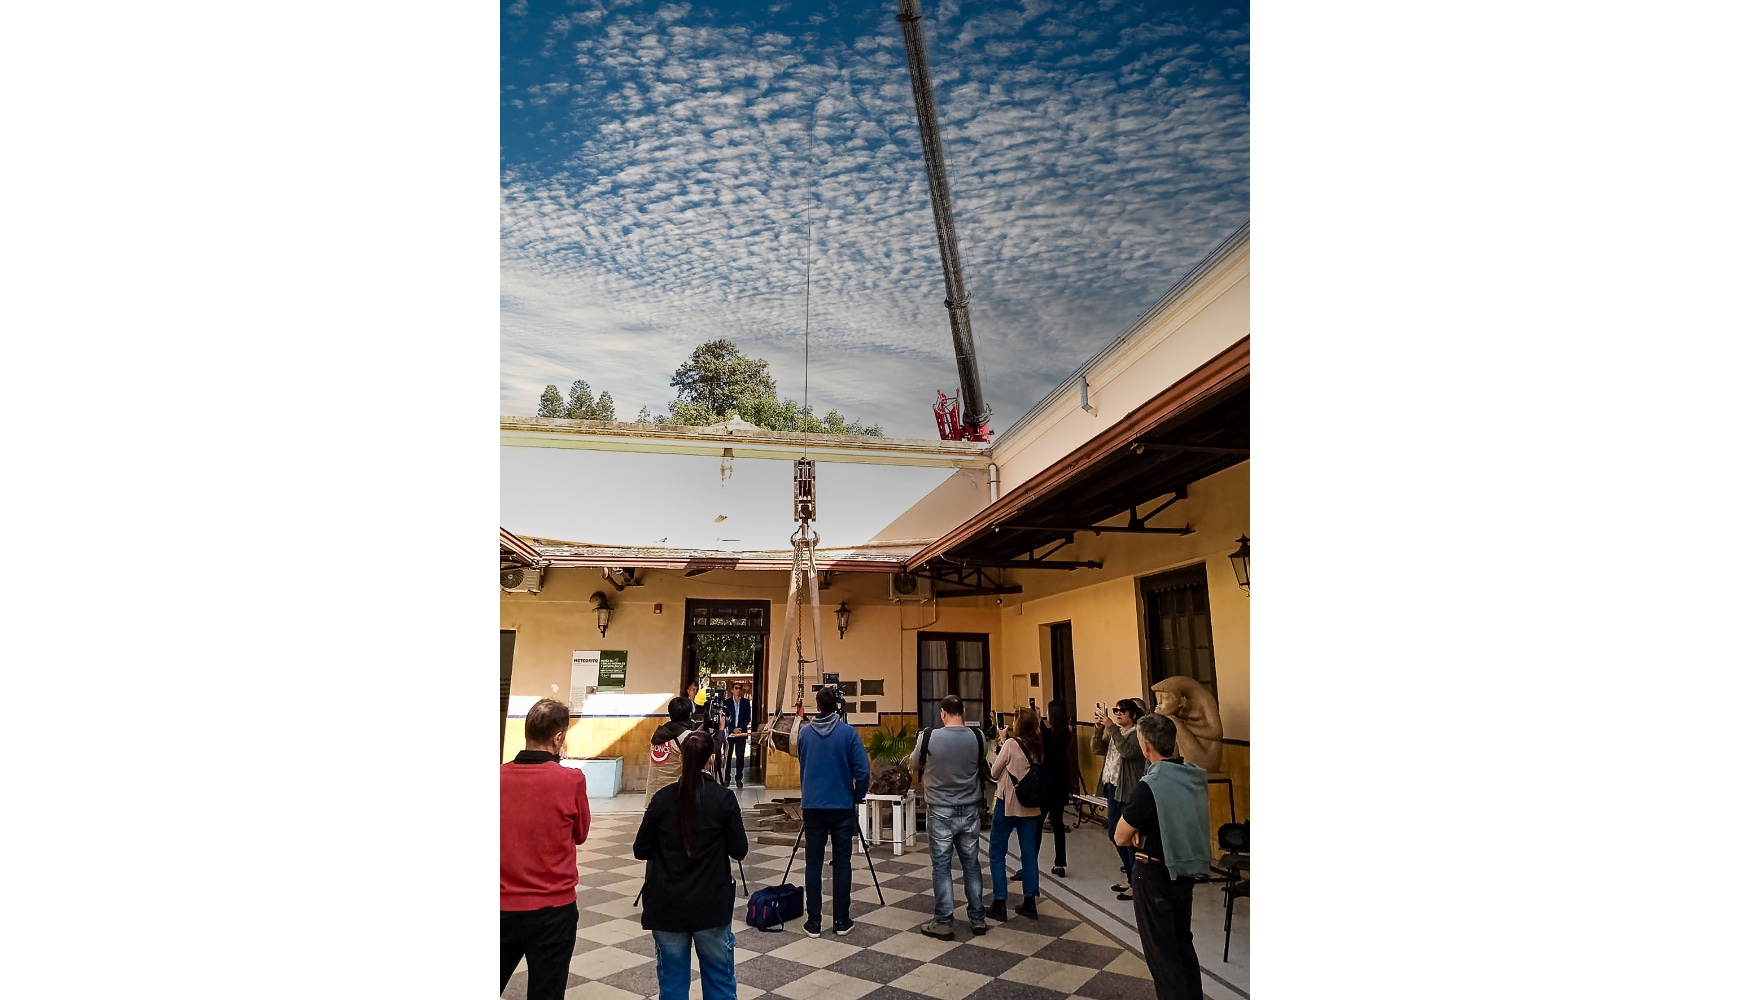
{"x":817,"y":825}
{"x":716,"y":963}
{"x":738,"y":754}
{"x":547,"y":937}
{"x":954,"y":830}
{"x":1027,"y":830}
{"x":1114,"y":810}
{"x":1163,"y":921}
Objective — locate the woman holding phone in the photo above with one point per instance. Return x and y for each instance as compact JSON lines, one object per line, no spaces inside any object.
{"x":1115,"y":736}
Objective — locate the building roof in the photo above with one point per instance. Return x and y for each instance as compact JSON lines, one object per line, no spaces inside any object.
{"x":608,"y":435}
{"x":882,"y":557}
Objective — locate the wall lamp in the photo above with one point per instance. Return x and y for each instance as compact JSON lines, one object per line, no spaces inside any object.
{"x":1242,"y":560}
{"x":843,"y":614}
{"x":604,"y":612}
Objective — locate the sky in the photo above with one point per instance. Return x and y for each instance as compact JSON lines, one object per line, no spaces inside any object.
{"x":661,"y":163}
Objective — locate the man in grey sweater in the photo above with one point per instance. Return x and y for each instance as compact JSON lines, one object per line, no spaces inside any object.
{"x":950,"y":759}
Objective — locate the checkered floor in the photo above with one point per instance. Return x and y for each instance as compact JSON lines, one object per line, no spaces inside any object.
{"x":883,"y":958}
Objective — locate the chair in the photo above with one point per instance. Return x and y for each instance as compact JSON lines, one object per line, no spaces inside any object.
{"x":1235,"y":840}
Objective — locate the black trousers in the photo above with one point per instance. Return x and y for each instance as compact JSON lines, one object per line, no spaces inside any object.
{"x":1054,"y":815}
{"x":1163,"y":921}
{"x":817,"y":826}
{"x":547,"y":936}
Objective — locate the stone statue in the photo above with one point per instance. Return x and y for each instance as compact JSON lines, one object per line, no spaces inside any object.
{"x":1193,"y":710}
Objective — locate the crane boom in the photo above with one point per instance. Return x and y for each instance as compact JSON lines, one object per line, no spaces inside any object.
{"x":975,"y":420}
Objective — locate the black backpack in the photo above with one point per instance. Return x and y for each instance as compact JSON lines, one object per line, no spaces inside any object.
{"x":1030,"y":790}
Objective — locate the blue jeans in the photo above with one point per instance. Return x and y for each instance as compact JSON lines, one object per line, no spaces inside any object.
{"x":954,"y":830}
{"x":674,"y":963}
{"x":1027,"y":829}
{"x":1114,"y":810}
{"x":818,"y":825}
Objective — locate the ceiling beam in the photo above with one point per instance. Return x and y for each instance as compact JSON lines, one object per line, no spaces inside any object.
{"x":942,"y":595}
{"x":1026,"y":563}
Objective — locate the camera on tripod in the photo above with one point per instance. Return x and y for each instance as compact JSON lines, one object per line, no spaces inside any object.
{"x":716,"y":705}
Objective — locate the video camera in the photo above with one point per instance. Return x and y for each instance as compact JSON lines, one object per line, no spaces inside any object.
{"x":716,"y":705}
{"x":838,"y":696}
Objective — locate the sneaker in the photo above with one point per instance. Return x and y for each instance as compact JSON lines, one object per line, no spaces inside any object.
{"x":812,"y":930}
{"x":980,"y":930}
{"x":944,"y":932}
{"x":1058,"y":871}
{"x":1027,"y":909}
{"x":842,"y":929}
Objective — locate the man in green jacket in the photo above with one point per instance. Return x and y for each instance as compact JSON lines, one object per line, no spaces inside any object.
{"x":1167,"y":822}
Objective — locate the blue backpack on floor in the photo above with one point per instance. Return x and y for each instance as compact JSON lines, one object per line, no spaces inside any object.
{"x":770,"y":907}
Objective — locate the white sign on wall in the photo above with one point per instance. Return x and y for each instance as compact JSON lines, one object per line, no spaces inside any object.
{"x":586,"y":665}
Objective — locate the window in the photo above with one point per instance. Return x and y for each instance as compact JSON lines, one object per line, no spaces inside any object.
{"x":953,"y":663}
{"x":1179,"y":641}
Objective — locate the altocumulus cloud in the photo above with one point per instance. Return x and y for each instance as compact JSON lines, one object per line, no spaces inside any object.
{"x":661,"y":163}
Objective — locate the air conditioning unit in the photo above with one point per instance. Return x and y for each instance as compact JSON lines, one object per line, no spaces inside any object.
{"x":520,"y":578}
{"x":903,"y":587}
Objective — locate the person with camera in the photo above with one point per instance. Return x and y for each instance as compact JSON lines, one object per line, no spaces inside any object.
{"x":1010,"y":815}
{"x":690,"y":831}
{"x":1166,"y":822}
{"x":738,"y":723}
{"x":543,"y":814}
{"x":665,"y":748}
{"x":1115,"y":736}
{"x":835,"y":777}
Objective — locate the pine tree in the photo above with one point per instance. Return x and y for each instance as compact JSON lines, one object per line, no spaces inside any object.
{"x":603,"y":408}
{"x":551,"y":404}
{"x":582,"y":402}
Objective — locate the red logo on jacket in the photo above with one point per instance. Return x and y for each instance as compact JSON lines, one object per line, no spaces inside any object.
{"x":661,"y":753}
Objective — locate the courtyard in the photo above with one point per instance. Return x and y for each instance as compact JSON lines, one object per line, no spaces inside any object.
{"x":1083,"y":945}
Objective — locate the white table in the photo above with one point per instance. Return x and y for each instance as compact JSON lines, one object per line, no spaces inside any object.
{"x":903,"y":815}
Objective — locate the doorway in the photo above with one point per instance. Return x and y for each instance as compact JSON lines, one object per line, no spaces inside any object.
{"x":1180,"y":643}
{"x":953,"y":663}
{"x":506,"y":652}
{"x":725,"y":642}
{"x":1063,"y":688}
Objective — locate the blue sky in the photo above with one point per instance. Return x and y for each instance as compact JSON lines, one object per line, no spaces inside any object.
{"x":660,"y":159}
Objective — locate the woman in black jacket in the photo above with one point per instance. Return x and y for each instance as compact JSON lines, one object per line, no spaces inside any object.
{"x":689,"y":833}
{"x":1060,"y":749}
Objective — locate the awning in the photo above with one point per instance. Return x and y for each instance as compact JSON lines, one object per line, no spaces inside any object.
{"x":1194,"y":429}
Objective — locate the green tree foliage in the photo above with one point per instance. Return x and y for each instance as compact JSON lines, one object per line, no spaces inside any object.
{"x":604,"y":407}
{"x":552,"y":404}
{"x":719,"y":381}
{"x":581,"y":405}
{"x":644,"y":416}
{"x":717,"y":375}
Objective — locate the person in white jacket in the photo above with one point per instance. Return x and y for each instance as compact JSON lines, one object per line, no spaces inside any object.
{"x":1026,"y":748}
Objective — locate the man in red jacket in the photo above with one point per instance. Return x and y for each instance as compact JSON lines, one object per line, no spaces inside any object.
{"x":543,"y":814}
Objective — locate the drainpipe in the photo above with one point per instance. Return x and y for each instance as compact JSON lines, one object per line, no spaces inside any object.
{"x":993,"y":482}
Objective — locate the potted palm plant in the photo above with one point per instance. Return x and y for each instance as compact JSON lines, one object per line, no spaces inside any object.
{"x":888,"y":750}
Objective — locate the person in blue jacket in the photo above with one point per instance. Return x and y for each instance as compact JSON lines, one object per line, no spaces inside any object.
{"x":835,"y":777}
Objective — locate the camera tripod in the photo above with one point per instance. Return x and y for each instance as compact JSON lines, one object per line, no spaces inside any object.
{"x":859,"y":830}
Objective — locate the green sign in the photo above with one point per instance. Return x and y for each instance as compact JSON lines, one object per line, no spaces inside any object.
{"x":613,"y":671}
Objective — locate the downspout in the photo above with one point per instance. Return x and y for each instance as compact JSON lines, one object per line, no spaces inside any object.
{"x":993,"y":482}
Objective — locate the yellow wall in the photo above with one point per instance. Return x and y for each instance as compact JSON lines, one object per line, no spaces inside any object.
{"x":881,"y":644}
{"x":1104,"y":610}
